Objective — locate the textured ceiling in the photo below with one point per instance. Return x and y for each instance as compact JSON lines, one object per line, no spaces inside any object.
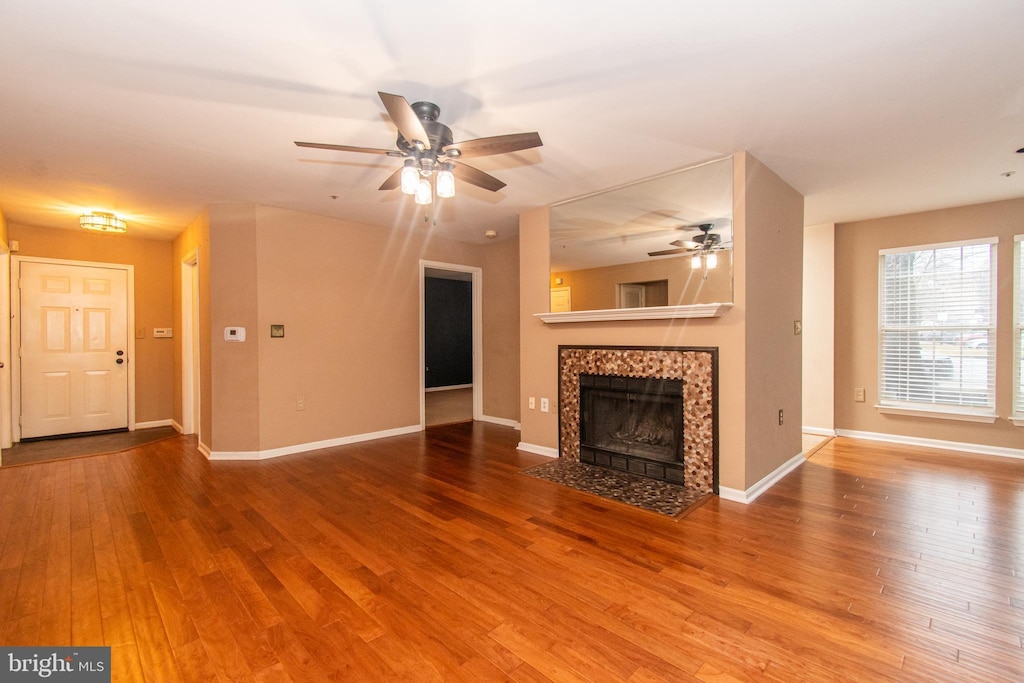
{"x":155,"y":111}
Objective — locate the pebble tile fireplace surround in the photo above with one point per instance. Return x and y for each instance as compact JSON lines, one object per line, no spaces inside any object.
{"x":693,"y":371}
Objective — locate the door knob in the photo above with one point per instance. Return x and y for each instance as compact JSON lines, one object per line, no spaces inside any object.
{"x":120,"y":353}
{"x":119,"y":361}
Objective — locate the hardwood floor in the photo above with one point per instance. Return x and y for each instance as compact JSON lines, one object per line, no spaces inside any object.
{"x":430,"y":557}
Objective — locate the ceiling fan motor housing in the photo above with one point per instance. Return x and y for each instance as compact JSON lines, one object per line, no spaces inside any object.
{"x":438,"y":135}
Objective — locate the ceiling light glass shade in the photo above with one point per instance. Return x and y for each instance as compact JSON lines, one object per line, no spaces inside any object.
{"x":695,"y":262}
{"x":445,"y":182}
{"x":410,"y":177}
{"x":423,"y":193}
{"x":102,"y":222}
{"x":712,"y":260}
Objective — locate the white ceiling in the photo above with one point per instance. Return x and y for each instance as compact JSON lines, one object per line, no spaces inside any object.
{"x":156,"y":110}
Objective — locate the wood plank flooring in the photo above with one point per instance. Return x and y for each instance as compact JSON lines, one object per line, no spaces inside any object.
{"x":429,"y":557}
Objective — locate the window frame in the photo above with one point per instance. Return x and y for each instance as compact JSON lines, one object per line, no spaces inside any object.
{"x":1017,"y":410}
{"x":952,"y":411}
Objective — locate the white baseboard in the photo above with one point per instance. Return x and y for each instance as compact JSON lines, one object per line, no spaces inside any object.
{"x":311,"y":446}
{"x":818,"y":431}
{"x":504,"y":421}
{"x":752,"y":494}
{"x":204,"y":449}
{"x":177,"y":427}
{"x":157,"y":423}
{"x":978,"y":448}
{"x":539,"y":450}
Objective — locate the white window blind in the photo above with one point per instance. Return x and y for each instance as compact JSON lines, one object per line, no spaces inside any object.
{"x":1018,"y":328}
{"x":937,"y":327}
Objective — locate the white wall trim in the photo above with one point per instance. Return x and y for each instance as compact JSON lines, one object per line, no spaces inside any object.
{"x":311,"y":446}
{"x":752,"y":494}
{"x":818,"y":431}
{"x":178,"y":427}
{"x":205,"y":450}
{"x":546,"y":451}
{"x":939,"y":414}
{"x":158,"y":423}
{"x":980,"y":449}
{"x":504,"y":421}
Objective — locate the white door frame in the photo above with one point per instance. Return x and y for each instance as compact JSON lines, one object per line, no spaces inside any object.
{"x":7,"y":413}
{"x":190,"y":359}
{"x":16,"y":333}
{"x":478,"y":344}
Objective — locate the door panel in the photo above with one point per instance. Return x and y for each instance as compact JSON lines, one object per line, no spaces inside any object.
{"x":74,"y":332}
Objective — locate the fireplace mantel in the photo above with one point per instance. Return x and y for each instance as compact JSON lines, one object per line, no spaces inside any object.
{"x":648,"y":313}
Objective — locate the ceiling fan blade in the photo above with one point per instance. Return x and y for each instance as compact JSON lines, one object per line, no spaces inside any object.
{"x":405,"y":118}
{"x":346,"y":148}
{"x":687,"y":244}
{"x":667,"y":252}
{"x":477,"y":177}
{"x":394,"y":180}
{"x":497,"y":144}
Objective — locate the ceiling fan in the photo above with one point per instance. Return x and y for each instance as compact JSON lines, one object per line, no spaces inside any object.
{"x":706,"y":241}
{"x":429,"y":151}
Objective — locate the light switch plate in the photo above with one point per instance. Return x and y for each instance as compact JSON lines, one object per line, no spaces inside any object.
{"x":163,"y":332}
{"x":234,"y":334}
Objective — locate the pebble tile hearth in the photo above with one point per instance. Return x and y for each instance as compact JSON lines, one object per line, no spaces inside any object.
{"x":632,"y":489}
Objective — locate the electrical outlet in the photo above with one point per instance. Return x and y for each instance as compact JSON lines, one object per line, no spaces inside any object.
{"x":858,"y":394}
{"x":544,"y":405}
{"x":300,"y":402}
{"x":780,"y":415}
{"x":533,"y":403}
{"x":798,"y":327}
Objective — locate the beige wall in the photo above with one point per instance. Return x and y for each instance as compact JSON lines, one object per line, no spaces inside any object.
{"x":348,"y":296}
{"x":819,"y":327}
{"x":856,"y":306}
{"x":154,"y":358}
{"x":596,"y":288}
{"x":759,"y":357}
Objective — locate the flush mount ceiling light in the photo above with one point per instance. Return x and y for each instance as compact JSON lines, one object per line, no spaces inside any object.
{"x":101,"y":221}
{"x":432,"y":159}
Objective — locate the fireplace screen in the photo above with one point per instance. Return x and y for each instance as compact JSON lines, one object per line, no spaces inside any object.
{"x":633,"y":424}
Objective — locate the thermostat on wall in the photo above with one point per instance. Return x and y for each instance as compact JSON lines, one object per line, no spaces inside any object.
{"x":234,"y":334}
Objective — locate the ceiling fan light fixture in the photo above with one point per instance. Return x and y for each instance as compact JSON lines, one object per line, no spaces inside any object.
{"x":712,"y":260}
{"x":423,"y":192}
{"x":102,"y":221}
{"x":695,"y":262}
{"x":410,"y":177}
{"x":446,"y":181}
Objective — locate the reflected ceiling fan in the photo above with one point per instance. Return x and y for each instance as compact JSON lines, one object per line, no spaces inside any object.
{"x":430,"y":151}
{"x":706,"y":241}
{"x":703,"y":247}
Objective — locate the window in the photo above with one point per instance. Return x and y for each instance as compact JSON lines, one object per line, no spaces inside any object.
{"x":1018,"y":331}
{"x":937,"y":328}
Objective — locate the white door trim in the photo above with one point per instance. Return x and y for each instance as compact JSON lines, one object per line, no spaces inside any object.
{"x":189,"y":347}
{"x":478,"y":344}
{"x":16,"y":262}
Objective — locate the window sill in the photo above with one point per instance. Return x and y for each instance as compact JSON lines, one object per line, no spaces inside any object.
{"x":988,"y":418}
{"x":1017,"y":421}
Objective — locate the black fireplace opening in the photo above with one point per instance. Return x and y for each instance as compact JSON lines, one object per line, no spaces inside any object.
{"x":633,"y":424}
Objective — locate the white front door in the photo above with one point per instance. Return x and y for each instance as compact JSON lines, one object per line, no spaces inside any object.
{"x":74,"y":348}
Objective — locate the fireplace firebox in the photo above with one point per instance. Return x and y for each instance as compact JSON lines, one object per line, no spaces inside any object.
{"x":633,"y":424}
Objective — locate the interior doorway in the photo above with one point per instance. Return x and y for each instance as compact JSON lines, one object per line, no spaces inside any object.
{"x":451,"y":359}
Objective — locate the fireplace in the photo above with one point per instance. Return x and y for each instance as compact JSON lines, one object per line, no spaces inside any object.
{"x":650,"y":411}
{"x":633,"y":424}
